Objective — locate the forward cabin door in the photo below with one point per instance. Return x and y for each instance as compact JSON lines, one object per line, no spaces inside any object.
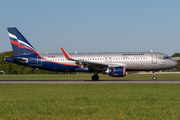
{"x":154,"y":58}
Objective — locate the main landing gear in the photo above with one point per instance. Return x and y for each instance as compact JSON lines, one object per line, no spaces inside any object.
{"x":95,"y":77}
{"x":154,"y":77}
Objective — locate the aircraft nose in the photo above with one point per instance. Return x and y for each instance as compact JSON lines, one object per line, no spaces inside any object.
{"x":174,"y":63}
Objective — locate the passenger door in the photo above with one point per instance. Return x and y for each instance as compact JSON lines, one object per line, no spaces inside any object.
{"x":154,"y":58}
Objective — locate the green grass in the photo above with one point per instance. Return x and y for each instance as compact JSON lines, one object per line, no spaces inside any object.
{"x":88,"y":77}
{"x":90,"y":101}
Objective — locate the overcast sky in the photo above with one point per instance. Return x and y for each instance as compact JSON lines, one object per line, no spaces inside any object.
{"x":93,"y":25}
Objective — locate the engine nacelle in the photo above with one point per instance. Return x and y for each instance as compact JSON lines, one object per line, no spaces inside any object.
{"x":117,"y":71}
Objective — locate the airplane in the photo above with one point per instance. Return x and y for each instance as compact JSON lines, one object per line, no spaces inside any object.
{"x":114,"y":64}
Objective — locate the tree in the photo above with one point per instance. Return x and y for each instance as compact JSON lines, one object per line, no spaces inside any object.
{"x":176,"y":55}
{"x":11,"y":68}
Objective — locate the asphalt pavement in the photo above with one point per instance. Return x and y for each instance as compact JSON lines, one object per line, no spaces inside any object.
{"x":89,"y":82}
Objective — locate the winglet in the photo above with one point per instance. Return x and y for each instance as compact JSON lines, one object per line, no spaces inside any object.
{"x":65,"y":54}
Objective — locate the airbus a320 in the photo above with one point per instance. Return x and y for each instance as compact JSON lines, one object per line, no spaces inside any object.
{"x":113,"y":64}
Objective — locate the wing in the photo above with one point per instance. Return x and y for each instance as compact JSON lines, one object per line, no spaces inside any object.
{"x":89,"y":64}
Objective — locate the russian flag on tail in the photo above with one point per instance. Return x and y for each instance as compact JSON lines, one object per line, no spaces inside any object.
{"x":19,"y":43}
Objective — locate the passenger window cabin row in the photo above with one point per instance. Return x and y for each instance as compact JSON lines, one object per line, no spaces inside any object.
{"x":100,"y":59}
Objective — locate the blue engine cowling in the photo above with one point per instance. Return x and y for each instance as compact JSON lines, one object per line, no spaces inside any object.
{"x":117,"y":71}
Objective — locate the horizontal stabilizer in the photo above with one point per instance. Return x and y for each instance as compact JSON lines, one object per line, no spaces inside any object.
{"x":19,"y":60}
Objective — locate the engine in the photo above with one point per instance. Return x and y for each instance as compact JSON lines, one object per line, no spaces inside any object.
{"x":116,"y":71}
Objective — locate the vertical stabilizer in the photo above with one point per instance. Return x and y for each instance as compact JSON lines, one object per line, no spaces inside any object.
{"x":19,"y":43}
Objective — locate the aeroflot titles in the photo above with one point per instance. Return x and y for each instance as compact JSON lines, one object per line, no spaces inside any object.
{"x":134,"y":54}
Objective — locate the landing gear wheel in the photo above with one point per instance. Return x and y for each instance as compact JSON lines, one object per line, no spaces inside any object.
{"x":95,"y":77}
{"x":154,"y":78}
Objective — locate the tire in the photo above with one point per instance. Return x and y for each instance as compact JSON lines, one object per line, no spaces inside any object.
{"x":95,"y":77}
{"x":154,"y":78}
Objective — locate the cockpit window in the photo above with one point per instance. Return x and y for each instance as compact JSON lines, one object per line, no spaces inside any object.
{"x":166,"y":57}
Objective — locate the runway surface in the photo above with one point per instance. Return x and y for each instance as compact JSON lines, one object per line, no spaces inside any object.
{"x":89,"y":82}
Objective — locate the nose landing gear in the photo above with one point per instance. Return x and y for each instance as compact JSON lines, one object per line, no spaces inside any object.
{"x":154,"y":77}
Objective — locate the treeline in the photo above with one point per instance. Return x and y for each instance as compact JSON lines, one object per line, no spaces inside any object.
{"x":177,"y":68}
{"x":11,"y":68}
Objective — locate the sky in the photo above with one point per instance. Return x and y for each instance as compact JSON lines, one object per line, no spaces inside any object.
{"x":93,"y":25}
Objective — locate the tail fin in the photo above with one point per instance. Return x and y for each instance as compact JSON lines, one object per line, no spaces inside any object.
{"x":19,"y":43}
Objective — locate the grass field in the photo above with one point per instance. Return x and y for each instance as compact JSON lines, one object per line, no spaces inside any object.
{"x":88,"y":77}
{"x":90,"y":102}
